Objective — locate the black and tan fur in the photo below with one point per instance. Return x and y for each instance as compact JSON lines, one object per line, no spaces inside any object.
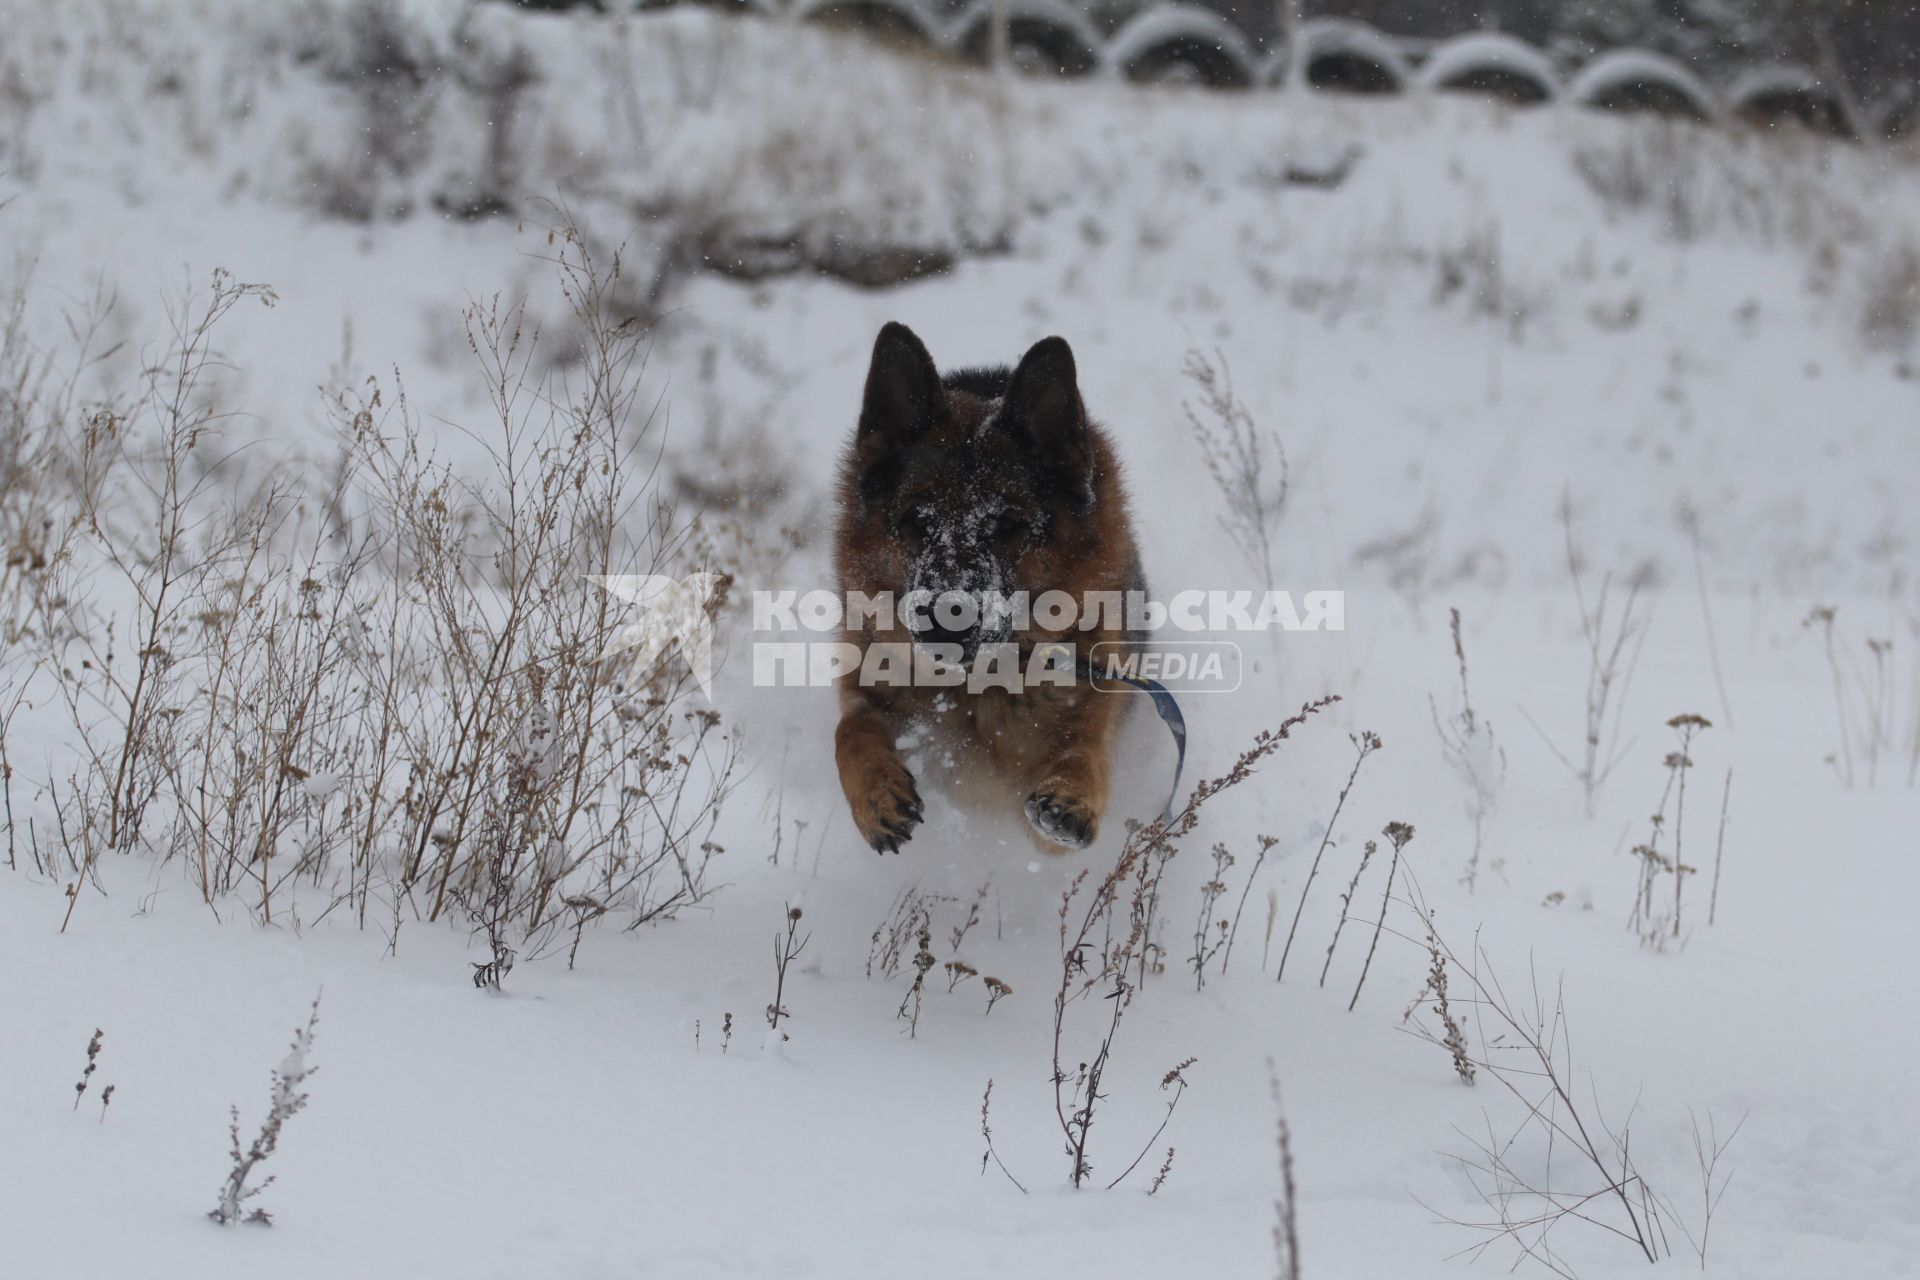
{"x":982,"y":479}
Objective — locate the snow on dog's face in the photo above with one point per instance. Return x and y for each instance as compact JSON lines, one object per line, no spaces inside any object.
{"x":963,"y":485}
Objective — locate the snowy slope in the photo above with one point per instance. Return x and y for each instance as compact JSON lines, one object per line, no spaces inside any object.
{"x":1666,"y":329}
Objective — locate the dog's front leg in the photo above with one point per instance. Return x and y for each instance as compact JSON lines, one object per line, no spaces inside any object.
{"x":879,"y":789}
{"x":1065,"y":808}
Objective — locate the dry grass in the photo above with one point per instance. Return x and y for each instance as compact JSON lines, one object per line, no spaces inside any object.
{"x":1399,"y":835}
{"x":1868,"y":695}
{"x":379,"y":692}
{"x":1613,"y":628}
{"x":1105,"y":931}
{"x":1365,"y":744}
{"x":1248,"y":465}
{"x":1659,"y":868}
{"x":1473,"y":753}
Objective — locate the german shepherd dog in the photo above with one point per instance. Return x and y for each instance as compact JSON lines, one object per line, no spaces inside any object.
{"x":985,"y":480}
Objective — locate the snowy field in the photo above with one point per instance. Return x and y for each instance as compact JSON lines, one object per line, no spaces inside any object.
{"x":1640,"y":401}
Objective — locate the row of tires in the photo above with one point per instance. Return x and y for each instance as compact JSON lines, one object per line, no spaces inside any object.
{"x":1187,"y":43}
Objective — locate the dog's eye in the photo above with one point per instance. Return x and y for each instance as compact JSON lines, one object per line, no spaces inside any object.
{"x":915,"y":521}
{"x":1009,"y":528}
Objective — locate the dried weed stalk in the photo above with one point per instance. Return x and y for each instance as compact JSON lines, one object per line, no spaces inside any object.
{"x":1613,"y":639}
{"x":1398,"y":834}
{"x":986,"y":1134}
{"x":1658,"y":928}
{"x":1451,"y":1037}
{"x":1365,"y":744}
{"x":1866,"y":701}
{"x":1560,"y":1160}
{"x":1096,"y":958}
{"x":286,"y":1100}
{"x":1249,"y":466}
{"x":86,"y":1076}
{"x":1467,"y":742}
{"x":923,"y":962}
{"x":1286,"y":1226}
{"x":1209,"y":935}
{"x":1346,"y":905}
{"x":1266,"y":846}
{"x":787,"y":947}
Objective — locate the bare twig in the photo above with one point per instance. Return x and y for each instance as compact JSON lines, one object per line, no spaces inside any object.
{"x":986,"y":1133}
{"x":1238,"y":456}
{"x":1346,"y":903}
{"x":787,"y":947}
{"x":1607,"y":637}
{"x":1177,"y":1080}
{"x":1266,"y":846}
{"x":1398,"y":834}
{"x":1686,"y":726}
{"x":1518,"y":1174}
{"x":1365,"y":744}
{"x":1286,"y":1227}
{"x":1473,"y":753}
{"x":1087,"y":963}
{"x":1719,"y":847}
{"x":1690,"y":521}
{"x":1209,"y":937}
{"x":1707,"y":1150}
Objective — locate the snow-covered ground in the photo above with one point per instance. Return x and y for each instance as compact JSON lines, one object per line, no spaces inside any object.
{"x":1693,"y":355}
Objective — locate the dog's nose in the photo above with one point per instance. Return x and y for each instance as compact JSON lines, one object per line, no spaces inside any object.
{"x":951,"y":618}
{"x":934,"y":633}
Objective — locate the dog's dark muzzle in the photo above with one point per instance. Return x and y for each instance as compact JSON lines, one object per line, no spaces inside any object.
{"x":953,"y":622}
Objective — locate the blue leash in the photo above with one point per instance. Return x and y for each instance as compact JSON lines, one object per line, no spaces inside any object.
{"x":1169,"y":712}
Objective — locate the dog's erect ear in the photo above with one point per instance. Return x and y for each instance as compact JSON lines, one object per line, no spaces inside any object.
{"x":903,"y":395}
{"x":1043,"y":396}
{"x":1043,"y":407}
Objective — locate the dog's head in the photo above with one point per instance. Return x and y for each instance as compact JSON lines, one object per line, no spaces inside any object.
{"x":973,"y":483}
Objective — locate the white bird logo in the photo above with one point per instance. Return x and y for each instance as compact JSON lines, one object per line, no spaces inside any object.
{"x":677,"y":611}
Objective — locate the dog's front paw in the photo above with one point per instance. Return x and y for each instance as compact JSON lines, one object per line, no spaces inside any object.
{"x":1062,"y":819}
{"x":886,"y":805}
